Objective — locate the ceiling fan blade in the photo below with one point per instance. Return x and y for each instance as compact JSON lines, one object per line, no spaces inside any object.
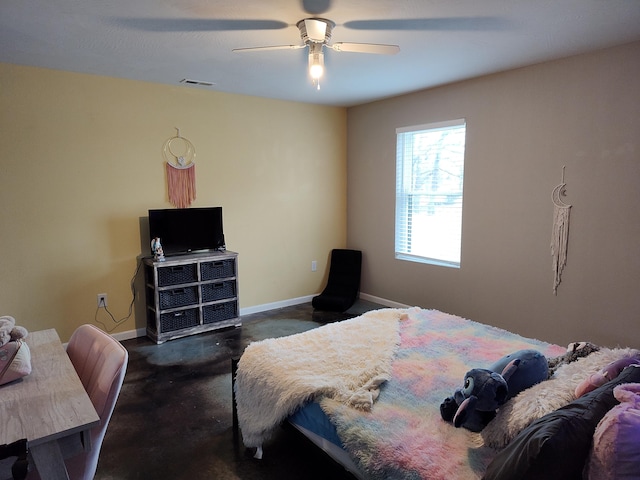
{"x":316,"y":29}
{"x":443,"y":23}
{"x":270,"y":47}
{"x":197,"y":24}
{"x":365,"y":48}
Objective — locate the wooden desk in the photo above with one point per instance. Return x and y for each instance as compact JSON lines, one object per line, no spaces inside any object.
{"x":49,"y":407}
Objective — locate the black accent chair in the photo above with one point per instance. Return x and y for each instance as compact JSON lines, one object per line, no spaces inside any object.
{"x":343,"y":283}
{"x":20,"y":450}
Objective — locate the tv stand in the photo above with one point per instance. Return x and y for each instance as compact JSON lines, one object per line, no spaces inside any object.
{"x":189,"y":294}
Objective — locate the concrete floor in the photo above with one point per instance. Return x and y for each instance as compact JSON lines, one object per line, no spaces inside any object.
{"x":173,"y":419}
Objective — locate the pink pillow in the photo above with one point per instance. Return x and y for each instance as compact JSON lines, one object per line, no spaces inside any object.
{"x":616,"y":442}
{"x":609,"y":372}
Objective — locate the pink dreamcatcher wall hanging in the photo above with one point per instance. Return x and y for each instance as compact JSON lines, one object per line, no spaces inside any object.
{"x":179,"y":153}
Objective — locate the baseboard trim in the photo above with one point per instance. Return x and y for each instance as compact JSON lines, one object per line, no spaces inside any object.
{"x":141,"y":332}
{"x":275,"y":305}
{"x":129,"y":334}
{"x":382,"y":301}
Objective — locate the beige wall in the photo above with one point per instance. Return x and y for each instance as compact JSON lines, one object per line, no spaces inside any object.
{"x":81,"y":162}
{"x":522,"y":127}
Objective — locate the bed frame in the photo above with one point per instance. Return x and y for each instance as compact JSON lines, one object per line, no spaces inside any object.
{"x":404,"y":427}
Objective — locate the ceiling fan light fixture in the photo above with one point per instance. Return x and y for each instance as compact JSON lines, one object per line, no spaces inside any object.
{"x":316,"y":68}
{"x":315,"y":34}
{"x":316,"y":63}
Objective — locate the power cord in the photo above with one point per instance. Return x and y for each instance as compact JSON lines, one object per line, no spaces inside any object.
{"x":113,"y":318}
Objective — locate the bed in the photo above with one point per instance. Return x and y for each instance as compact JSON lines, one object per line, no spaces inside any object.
{"x":368,"y":391}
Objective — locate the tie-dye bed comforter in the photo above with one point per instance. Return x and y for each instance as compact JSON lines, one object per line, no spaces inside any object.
{"x":403,"y":436}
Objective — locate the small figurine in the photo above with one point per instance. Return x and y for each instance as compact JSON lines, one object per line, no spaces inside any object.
{"x":156,"y":248}
{"x":575,"y":351}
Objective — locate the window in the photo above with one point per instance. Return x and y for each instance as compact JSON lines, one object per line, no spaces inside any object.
{"x":429,"y":180}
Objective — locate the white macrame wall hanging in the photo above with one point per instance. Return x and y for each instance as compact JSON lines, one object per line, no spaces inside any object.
{"x":179,"y":153}
{"x":560,"y":234}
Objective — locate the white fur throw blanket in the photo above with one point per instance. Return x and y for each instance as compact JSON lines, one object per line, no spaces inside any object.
{"x":346,"y":361}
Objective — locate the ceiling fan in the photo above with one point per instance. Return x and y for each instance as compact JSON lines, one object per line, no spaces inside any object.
{"x":316,"y":34}
{"x":315,"y":31}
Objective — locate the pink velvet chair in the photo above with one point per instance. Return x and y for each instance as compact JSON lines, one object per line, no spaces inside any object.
{"x":101,"y":362}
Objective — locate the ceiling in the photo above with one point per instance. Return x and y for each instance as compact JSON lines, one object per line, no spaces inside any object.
{"x":441,"y":41}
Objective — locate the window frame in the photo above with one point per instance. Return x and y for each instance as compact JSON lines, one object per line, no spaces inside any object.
{"x":403,"y":222}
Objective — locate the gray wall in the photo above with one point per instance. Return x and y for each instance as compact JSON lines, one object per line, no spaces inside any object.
{"x":522,"y":127}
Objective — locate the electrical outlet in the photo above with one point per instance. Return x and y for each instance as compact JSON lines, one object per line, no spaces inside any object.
{"x":314,"y":265}
{"x":102,"y":300}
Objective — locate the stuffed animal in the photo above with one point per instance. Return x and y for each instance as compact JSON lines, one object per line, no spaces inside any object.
{"x":575,"y":351}
{"x":9,"y":331}
{"x":474,"y":405}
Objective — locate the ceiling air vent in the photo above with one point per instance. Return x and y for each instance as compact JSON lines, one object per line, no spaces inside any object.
{"x":200,"y":83}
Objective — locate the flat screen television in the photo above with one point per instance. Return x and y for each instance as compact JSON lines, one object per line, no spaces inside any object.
{"x":187,"y":230}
